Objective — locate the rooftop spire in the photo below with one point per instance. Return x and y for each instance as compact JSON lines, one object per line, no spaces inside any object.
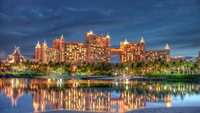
{"x":62,"y":37}
{"x":38,"y":45}
{"x":126,"y":42}
{"x":107,"y":35}
{"x":167,"y":46}
{"x":90,"y":32}
{"x":45,"y":44}
{"x":142,"y":40}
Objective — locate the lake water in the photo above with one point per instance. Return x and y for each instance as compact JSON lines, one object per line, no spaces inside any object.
{"x":35,"y":95}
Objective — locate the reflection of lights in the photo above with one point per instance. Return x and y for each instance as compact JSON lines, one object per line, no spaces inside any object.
{"x":76,"y":84}
{"x":57,"y":83}
{"x":168,"y":104}
{"x":116,"y":83}
{"x":12,"y":82}
{"x":76,"y":98}
{"x":49,"y":80}
{"x":126,"y":87}
{"x":88,"y":83}
{"x":35,"y":105}
{"x":60,"y":82}
{"x":17,"y":81}
{"x":42,"y":107}
{"x":127,"y":81}
{"x":150,"y":88}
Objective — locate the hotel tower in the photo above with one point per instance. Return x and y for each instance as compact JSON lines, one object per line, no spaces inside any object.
{"x":97,"y":49}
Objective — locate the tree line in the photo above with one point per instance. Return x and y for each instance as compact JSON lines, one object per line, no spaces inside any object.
{"x":101,"y":68}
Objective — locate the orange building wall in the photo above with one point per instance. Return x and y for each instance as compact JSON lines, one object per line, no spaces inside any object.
{"x":97,"y":49}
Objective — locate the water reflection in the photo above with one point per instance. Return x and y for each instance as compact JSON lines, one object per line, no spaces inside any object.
{"x":91,"y":95}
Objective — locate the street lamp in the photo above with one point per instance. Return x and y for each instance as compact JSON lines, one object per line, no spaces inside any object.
{"x":127,"y":70}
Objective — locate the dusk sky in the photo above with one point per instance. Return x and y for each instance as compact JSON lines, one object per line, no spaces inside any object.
{"x":176,"y":22}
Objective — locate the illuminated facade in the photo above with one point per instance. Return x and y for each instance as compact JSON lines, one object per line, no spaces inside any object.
{"x":45,"y":54}
{"x":152,"y":55}
{"x":198,"y":58}
{"x":131,"y":51}
{"x":70,"y":52}
{"x":97,"y":49}
{"x":136,"y":52}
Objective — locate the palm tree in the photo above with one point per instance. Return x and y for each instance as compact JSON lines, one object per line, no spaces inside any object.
{"x":140,"y":68}
{"x":132,"y":67}
{"x":121,"y":68}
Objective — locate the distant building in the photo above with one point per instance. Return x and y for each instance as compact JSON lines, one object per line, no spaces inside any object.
{"x":97,"y":49}
{"x":33,"y":60}
{"x":152,"y":55}
{"x":178,"y":59}
{"x":198,"y":58}
{"x":15,"y":57}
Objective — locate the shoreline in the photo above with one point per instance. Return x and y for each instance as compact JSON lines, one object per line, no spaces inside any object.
{"x":192,"y":109}
{"x":183,"y":109}
{"x":139,"y":78}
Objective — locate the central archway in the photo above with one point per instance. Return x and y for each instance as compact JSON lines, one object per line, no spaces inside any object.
{"x":117,"y":51}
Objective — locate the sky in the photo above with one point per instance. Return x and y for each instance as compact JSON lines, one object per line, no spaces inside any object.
{"x":176,"y":22}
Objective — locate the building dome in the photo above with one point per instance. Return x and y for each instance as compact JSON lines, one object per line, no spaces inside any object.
{"x":107,"y":35}
{"x":167,"y":47}
{"x":90,"y":32}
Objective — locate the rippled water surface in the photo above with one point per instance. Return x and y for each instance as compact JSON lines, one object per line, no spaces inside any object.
{"x":33,"y":95}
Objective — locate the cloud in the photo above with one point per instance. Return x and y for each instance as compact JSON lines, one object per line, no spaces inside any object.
{"x":25,"y":22}
{"x":3,"y":54}
{"x":4,"y":18}
{"x":189,"y":57}
{"x":190,"y":32}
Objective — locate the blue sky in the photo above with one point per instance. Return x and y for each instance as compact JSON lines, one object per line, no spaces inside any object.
{"x":176,"y":22}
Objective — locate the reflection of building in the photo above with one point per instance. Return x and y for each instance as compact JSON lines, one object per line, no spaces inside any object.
{"x":13,"y":95}
{"x":198,"y":58}
{"x":86,"y":99}
{"x":93,"y":99}
{"x":178,"y":59}
{"x":16,"y":56}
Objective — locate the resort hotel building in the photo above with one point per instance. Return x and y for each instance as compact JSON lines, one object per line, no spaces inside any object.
{"x":97,"y":49}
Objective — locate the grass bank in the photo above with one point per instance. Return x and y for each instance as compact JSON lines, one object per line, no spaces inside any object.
{"x":175,"y":76}
{"x":21,"y":75}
